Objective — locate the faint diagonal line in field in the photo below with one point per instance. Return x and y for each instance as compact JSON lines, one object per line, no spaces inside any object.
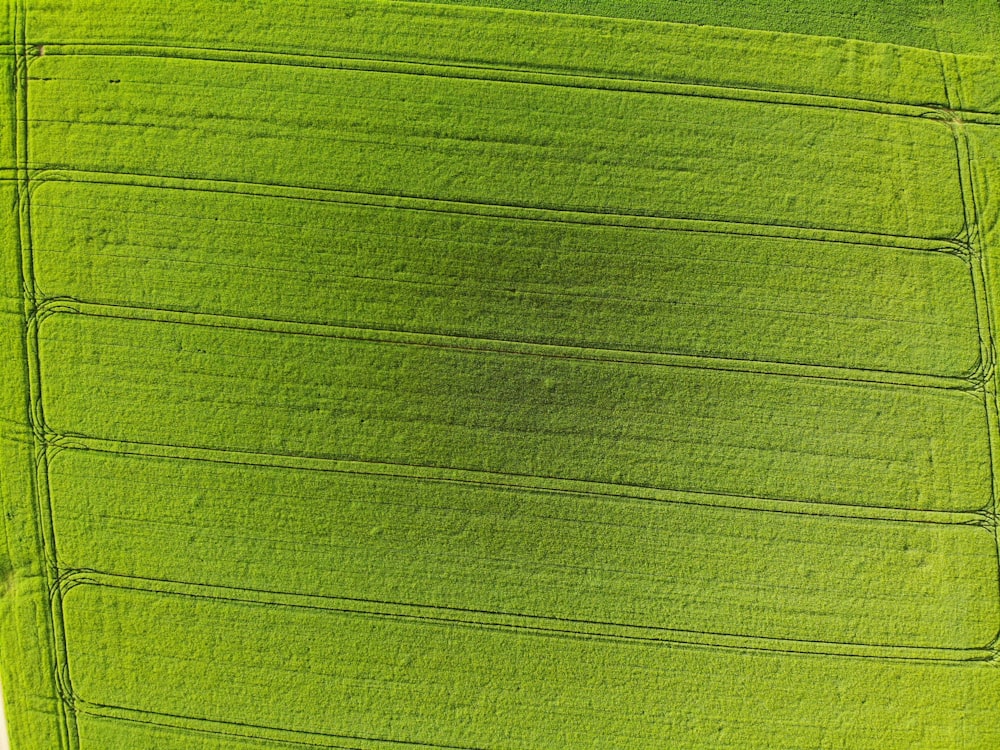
{"x":560,"y":214}
{"x":289,"y":269}
{"x":486,"y":618}
{"x":456,"y":342}
{"x":534,"y":482}
{"x":242,"y":730}
{"x":518,"y":74}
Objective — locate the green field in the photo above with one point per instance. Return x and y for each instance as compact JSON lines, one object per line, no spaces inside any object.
{"x":500,"y":375}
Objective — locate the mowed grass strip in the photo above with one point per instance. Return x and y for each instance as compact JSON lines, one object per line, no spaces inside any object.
{"x":672,"y":427}
{"x":608,"y":287}
{"x":414,"y":681}
{"x":493,"y":550}
{"x":497,"y":143}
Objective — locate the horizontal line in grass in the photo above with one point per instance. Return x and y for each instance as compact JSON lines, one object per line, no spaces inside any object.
{"x":607,"y":255}
{"x":524,"y":75}
{"x":953,"y":246}
{"x":230,"y":730}
{"x":534,"y":624}
{"x":57,"y":442}
{"x":63,"y":305}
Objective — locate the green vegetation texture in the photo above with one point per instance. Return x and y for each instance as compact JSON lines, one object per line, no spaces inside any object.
{"x":500,"y":375}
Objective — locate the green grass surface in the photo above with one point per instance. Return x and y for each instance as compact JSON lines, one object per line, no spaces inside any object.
{"x":516,"y":375}
{"x":952,"y":25}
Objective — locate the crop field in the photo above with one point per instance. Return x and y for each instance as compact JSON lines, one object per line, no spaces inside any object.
{"x":500,"y":374}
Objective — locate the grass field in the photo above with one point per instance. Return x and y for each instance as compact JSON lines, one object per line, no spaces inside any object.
{"x":500,"y":375}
